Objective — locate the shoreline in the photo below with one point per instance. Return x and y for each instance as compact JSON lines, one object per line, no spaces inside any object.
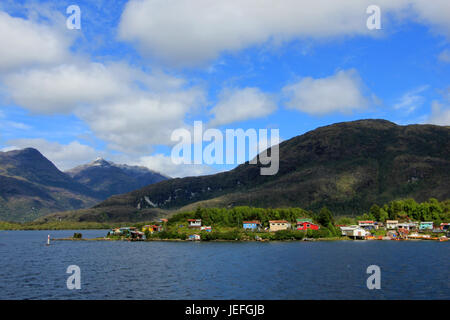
{"x":221,"y":240}
{"x":180,"y":240}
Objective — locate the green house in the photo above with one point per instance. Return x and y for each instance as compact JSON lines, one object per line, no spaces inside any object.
{"x":428,"y":225}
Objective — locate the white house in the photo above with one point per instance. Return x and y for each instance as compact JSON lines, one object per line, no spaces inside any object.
{"x":355,"y":232}
{"x":367,"y":224}
{"x":407,"y":226}
{"x":195,"y":223}
{"x":391,"y":224}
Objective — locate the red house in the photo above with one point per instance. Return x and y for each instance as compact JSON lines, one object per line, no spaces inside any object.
{"x":305,"y":224}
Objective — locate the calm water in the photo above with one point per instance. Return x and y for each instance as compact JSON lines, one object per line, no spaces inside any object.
{"x":165,"y":270}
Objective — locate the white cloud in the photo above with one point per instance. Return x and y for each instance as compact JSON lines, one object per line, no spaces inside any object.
{"x":192,"y":32}
{"x":444,"y":56}
{"x":435,"y":13}
{"x":341,"y":92}
{"x":64,"y":156}
{"x":164,"y":164}
{"x":411,"y":100}
{"x":15,"y":125}
{"x":129,"y":109}
{"x":440,"y":114}
{"x":241,"y":104}
{"x":136,"y":123}
{"x":25,"y":43}
{"x":62,"y":88}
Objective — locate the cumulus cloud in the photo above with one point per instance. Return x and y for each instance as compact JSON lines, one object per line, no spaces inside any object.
{"x":129,"y":109}
{"x":192,"y":32}
{"x":241,"y":104}
{"x":341,"y":92}
{"x":440,"y":114}
{"x":136,"y":123}
{"x":434,"y":13}
{"x":62,"y":88}
{"x":64,"y":156}
{"x":26,"y":43}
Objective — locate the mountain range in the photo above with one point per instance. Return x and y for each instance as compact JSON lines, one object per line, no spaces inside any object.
{"x":32,"y":186}
{"x":345,"y":166}
{"x":107,"y":178}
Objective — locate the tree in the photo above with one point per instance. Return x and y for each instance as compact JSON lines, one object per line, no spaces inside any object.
{"x":325,"y":217}
{"x":375,"y":212}
{"x":383,"y":215}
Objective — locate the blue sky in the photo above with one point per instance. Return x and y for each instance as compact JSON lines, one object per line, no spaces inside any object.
{"x":137,"y":70}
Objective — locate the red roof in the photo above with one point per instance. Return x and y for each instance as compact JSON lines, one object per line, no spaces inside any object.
{"x":254,"y":221}
{"x":194,"y":220}
{"x":307,"y":222}
{"x":366,"y":221}
{"x":278,"y":221}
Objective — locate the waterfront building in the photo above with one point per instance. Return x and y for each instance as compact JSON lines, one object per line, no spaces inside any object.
{"x":277,"y":225}
{"x":367,"y":224}
{"x":253,"y":225}
{"x":206,"y":228}
{"x":306,"y":224}
{"x":355,"y":232}
{"x":391,"y":224}
{"x":194,"y":237}
{"x":407,"y":226}
{"x":194,"y":223}
{"x":426,"y":225}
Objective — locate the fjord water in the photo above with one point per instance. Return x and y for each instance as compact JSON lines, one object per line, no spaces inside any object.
{"x":219,"y":270}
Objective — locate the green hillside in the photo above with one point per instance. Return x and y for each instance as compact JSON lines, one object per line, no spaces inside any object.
{"x":345,"y":166}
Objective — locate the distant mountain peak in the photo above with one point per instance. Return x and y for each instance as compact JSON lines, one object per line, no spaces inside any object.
{"x":108,"y":178}
{"x":24,"y":152}
{"x":101,"y":162}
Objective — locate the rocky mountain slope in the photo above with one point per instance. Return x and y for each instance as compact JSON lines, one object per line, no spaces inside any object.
{"x":107,"y":178}
{"x":31,"y":186}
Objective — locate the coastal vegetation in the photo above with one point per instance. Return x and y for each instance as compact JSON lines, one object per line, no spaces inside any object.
{"x":227,"y":223}
{"x":431,"y":210}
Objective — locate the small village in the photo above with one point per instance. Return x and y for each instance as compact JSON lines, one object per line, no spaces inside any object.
{"x":395,"y":230}
{"x":364,"y":230}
